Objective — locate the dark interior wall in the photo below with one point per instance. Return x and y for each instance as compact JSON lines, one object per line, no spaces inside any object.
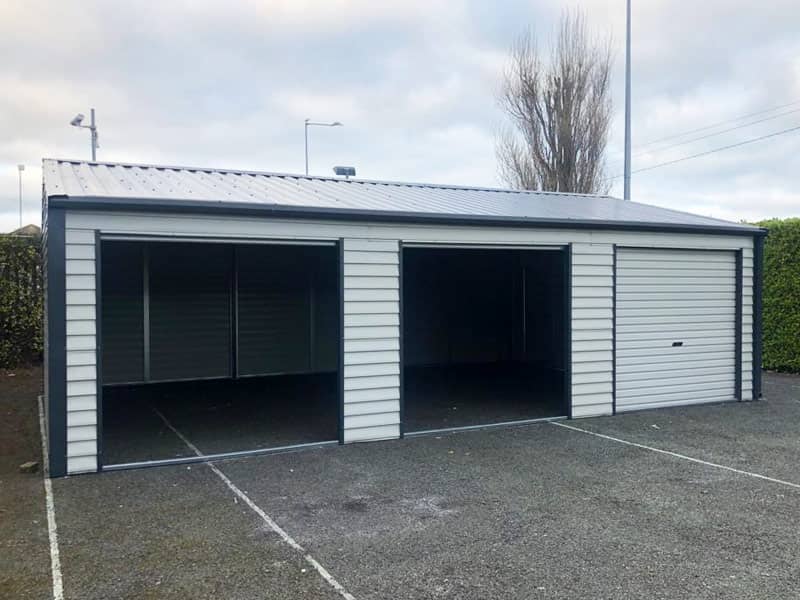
{"x":288,"y":307}
{"x":456,"y":306}
{"x":190,"y":310}
{"x":122,"y":317}
{"x":544,"y":308}
{"x":287,"y":310}
{"x":464,"y":306}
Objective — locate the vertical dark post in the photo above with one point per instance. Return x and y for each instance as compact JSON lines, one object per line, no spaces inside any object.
{"x":524,"y":282}
{"x":340,"y":361}
{"x":568,"y":329}
{"x":614,"y":333}
{"x":738,"y":328}
{"x":758,"y":291}
{"x":98,"y":316}
{"x":56,"y":342}
{"x":234,"y":312}
{"x":311,"y":281}
{"x":400,"y":337}
{"x":146,"y":309}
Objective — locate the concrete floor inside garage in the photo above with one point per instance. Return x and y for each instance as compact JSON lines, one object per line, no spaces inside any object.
{"x":217,"y":416}
{"x":467,"y":395}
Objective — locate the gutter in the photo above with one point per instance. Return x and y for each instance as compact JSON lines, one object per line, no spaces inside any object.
{"x":349,"y":214}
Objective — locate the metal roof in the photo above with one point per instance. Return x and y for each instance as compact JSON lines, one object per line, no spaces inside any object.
{"x":116,"y":185}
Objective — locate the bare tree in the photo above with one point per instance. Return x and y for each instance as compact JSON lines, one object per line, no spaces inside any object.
{"x":560,"y":111}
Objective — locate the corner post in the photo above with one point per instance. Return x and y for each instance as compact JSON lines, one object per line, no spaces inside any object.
{"x":56,"y":342}
{"x":758,"y":307}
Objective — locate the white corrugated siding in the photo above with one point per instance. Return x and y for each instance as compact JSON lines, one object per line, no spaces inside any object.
{"x":371,"y":339}
{"x":675,"y":296}
{"x":747,"y":323}
{"x":592,"y":329}
{"x":372,"y":402}
{"x":81,"y":352}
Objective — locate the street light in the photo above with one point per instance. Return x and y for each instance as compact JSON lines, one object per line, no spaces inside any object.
{"x":627,"y":170}
{"x":20,"y":168}
{"x":77,"y":122}
{"x":310,"y":122}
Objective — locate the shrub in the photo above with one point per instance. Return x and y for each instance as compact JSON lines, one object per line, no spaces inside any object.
{"x":20,"y":300}
{"x":782,"y":295}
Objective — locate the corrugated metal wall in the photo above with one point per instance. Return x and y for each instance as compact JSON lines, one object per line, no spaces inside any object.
{"x":288,"y":307}
{"x":371,"y":339}
{"x":747,"y":323}
{"x":372,"y":409}
{"x":287,"y":311}
{"x":592,"y":329}
{"x":274,"y":323}
{"x":544,"y":325}
{"x":676,"y":327}
{"x":81,"y":352}
{"x":190,"y":311}
{"x":122,"y":283}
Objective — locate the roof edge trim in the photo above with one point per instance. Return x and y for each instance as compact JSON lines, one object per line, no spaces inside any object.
{"x":341,"y":214}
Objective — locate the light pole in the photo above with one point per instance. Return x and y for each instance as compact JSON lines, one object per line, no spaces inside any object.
{"x":309,"y":122}
{"x":627,"y":193}
{"x":77,"y":122}
{"x":20,"y":168}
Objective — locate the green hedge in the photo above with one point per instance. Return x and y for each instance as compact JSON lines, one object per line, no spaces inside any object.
{"x":782,"y":295}
{"x":20,"y":300}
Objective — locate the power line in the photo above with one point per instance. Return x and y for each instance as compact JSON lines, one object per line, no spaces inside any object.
{"x":717,"y":124}
{"x":707,"y":152}
{"x":716,"y":133}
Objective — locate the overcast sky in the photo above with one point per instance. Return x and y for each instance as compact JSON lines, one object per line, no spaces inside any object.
{"x":228,"y":84}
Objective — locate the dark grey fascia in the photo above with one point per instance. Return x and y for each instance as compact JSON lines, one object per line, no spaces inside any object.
{"x":378,"y":216}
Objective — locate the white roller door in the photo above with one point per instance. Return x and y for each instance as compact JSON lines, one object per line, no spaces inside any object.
{"x":675,"y":327}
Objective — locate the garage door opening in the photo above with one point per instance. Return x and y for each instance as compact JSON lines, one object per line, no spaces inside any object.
{"x":233,"y":345}
{"x":484,"y":336}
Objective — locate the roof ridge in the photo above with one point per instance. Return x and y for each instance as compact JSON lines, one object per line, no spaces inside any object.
{"x":445,"y":186}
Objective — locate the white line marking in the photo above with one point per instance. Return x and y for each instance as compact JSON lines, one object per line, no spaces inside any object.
{"x":52,"y":531}
{"x":681,"y":456}
{"x":323,"y":572}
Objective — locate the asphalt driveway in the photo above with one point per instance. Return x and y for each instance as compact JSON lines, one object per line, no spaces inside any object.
{"x":540,"y":511}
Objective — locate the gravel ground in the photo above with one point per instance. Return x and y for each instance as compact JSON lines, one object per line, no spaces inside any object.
{"x":531,"y":512}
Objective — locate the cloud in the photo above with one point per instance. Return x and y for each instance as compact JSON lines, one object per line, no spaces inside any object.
{"x":415,"y":82}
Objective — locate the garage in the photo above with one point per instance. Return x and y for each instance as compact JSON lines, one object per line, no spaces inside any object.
{"x":254,"y":312}
{"x":484,"y":332}
{"x":233,"y":344}
{"x":678,"y":324}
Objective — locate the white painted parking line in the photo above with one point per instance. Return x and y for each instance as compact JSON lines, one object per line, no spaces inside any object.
{"x":289,"y":540}
{"x":681,"y":456}
{"x":52,"y":531}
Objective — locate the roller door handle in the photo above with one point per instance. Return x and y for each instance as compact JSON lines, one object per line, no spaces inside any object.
{"x":677,"y":344}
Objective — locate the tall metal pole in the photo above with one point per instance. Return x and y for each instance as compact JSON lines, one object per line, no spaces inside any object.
{"x":20,"y":168}
{"x":93,"y":129}
{"x":306,"y":132}
{"x":627,"y":195}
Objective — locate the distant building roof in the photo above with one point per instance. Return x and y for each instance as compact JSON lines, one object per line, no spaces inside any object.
{"x":28,"y":230}
{"x":116,"y":185}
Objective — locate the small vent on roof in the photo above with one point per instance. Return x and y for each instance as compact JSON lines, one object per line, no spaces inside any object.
{"x":347,"y":172}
